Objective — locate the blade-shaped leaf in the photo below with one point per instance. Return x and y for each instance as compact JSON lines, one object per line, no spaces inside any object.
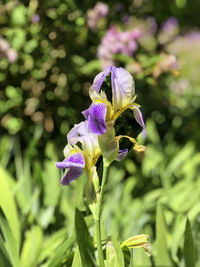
{"x":162,"y":256}
{"x":84,"y":240}
{"x":4,"y":257}
{"x":127,"y":256}
{"x":61,"y":252}
{"x":31,"y":247}
{"x":10,"y":242}
{"x":50,"y":243}
{"x":77,"y":259}
{"x":7,"y":203}
{"x":189,"y":252}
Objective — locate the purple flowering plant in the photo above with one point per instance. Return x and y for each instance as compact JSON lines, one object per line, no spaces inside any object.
{"x":95,"y":136}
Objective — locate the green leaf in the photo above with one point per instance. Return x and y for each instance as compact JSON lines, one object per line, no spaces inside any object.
{"x":4,"y":257}
{"x":93,"y":65}
{"x":50,"y":243}
{"x":31,"y":247}
{"x":84,"y":240}
{"x":189,"y":251}
{"x":162,"y":256}
{"x":61,"y":252}
{"x":10,"y":242}
{"x":127,"y":256}
{"x":77,"y":259}
{"x":7,"y":203}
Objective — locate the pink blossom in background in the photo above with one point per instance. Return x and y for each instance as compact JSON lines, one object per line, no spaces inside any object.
{"x":4,"y":45}
{"x":115,"y":42}
{"x":12,"y":55}
{"x":7,"y":51}
{"x":94,"y":15}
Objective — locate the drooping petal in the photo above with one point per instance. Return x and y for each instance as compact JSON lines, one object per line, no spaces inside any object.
{"x":74,"y":164}
{"x":138,"y":116}
{"x":97,"y":118}
{"x":123,"y":87}
{"x":71,"y":174}
{"x":122,"y":154}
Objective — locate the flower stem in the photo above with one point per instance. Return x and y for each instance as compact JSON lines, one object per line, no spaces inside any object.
{"x":98,"y":219}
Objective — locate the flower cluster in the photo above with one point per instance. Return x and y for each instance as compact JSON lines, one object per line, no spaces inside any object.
{"x":96,"y":135}
{"x":94,"y":15}
{"x":115,"y":42}
{"x":7,"y":51}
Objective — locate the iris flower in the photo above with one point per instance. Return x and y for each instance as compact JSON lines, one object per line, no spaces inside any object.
{"x":123,"y":97}
{"x":102,"y":113}
{"x":81,"y":152}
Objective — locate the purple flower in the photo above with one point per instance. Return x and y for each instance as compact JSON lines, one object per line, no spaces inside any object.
{"x":101,"y":110}
{"x":79,"y":159}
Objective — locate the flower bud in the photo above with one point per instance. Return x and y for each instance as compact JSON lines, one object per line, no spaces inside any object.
{"x":95,"y":178}
{"x":138,"y":241}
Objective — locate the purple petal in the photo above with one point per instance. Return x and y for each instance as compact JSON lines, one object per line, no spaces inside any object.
{"x":78,"y":130}
{"x":86,"y":113}
{"x":74,"y":160}
{"x":123,"y":87}
{"x":122,"y":154}
{"x":75,"y":164}
{"x":72,"y":174}
{"x":97,"y":118}
{"x":138,"y":116}
{"x":99,"y":79}
{"x":62,"y":164}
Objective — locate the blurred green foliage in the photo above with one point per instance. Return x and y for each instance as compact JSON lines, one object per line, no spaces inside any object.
{"x":43,"y":92}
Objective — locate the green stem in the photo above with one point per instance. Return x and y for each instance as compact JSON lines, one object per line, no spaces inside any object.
{"x":98,"y":219}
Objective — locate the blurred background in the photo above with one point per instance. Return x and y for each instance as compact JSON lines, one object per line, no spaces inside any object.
{"x":50,"y":52}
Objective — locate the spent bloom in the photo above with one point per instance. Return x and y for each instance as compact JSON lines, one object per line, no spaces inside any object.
{"x":94,"y":15}
{"x":115,"y":42}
